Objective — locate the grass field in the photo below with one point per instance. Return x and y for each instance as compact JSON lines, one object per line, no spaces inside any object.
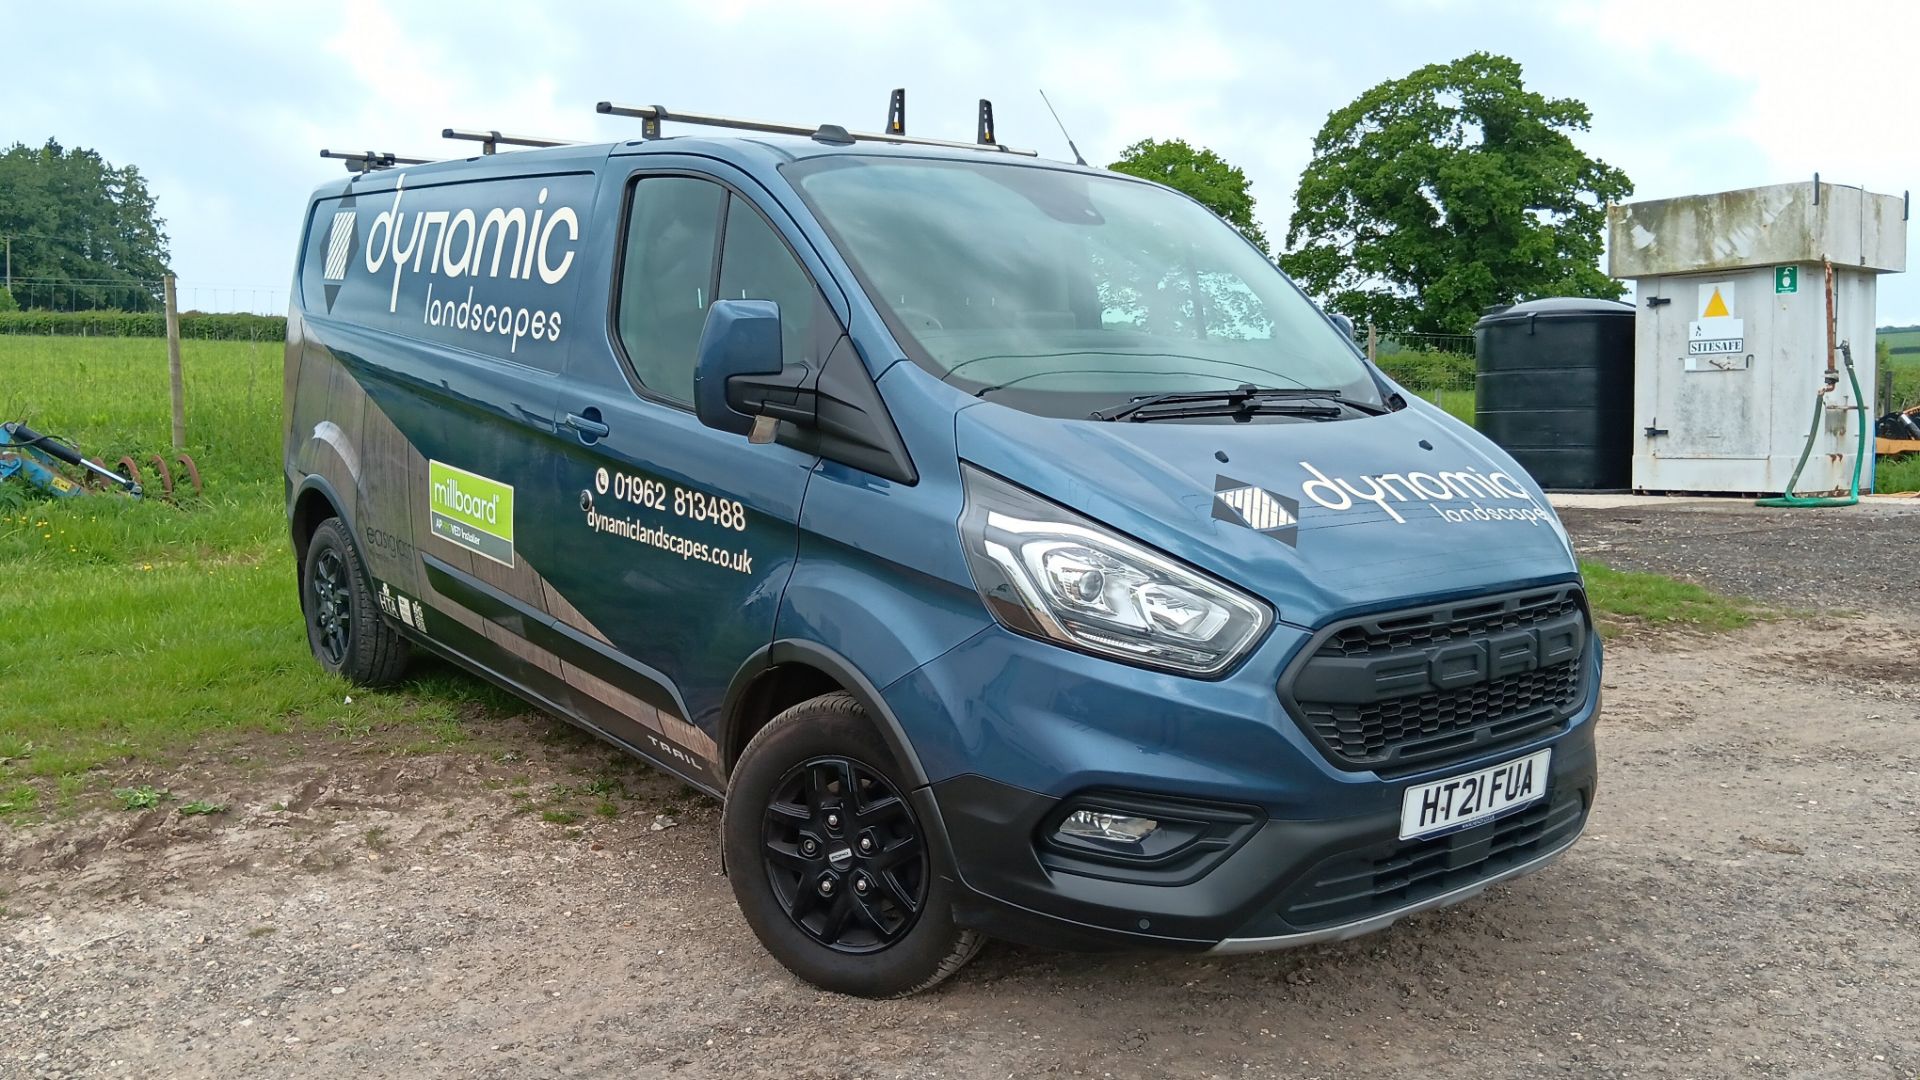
{"x":130,"y":631}
{"x":1458,"y":403}
{"x":133,"y":629}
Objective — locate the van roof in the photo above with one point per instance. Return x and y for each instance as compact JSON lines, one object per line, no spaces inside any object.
{"x":745,"y":151}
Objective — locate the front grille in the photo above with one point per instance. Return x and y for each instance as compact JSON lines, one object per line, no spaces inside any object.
{"x":1418,"y":727}
{"x":1349,"y":887}
{"x":1455,"y":623}
{"x":1419,"y":688}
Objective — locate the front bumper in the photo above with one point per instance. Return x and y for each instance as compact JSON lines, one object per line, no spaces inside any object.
{"x":1289,"y":883}
{"x":1359,"y":927}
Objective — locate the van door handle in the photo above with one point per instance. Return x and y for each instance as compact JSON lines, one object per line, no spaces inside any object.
{"x":589,"y":427}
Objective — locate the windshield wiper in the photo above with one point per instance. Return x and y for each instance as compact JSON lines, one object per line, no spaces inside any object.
{"x":1244,"y":398}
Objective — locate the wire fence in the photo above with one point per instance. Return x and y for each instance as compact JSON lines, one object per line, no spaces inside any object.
{"x":1380,"y":343}
{"x":115,"y":294}
{"x":1432,"y":365}
{"x":81,"y":307}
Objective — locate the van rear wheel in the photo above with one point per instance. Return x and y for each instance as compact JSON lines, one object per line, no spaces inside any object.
{"x":344,"y":627}
{"x":829,"y":862}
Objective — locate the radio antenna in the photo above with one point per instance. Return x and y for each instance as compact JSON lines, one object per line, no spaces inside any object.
{"x":1077,"y":159}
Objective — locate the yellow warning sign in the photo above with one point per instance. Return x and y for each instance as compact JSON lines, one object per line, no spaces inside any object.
{"x":1715,"y":332}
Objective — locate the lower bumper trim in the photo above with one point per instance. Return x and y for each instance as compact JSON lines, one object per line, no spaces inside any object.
{"x":1380,"y":922}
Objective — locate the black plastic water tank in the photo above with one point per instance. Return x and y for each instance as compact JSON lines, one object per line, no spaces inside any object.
{"x":1555,"y":390}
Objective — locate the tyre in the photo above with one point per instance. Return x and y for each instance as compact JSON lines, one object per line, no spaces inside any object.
{"x":344,"y":627}
{"x":831,"y":866}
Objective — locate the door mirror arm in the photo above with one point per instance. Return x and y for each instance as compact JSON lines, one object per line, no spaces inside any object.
{"x":788,"y":394}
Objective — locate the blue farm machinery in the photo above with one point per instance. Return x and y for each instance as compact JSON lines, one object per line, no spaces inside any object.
{"x":47,"y":463}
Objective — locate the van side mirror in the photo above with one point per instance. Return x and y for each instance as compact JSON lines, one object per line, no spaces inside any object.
{"x":739,"y":374}
{"x":1344,"y":323}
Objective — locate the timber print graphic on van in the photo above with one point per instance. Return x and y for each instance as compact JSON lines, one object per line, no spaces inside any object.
{"x":1014,"y":549}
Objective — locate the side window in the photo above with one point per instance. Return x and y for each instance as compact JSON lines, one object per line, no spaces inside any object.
{"x":666,"y":279}
{"x":756,"y":265}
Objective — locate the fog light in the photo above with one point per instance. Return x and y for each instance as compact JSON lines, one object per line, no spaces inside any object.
{"x":1111,"y":828}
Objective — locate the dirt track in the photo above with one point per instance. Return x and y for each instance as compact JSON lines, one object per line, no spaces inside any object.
{"x":1743,"y":904}
{"x":1860,"y":558}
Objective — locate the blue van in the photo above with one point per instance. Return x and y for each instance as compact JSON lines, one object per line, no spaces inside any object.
{"x":1010,"y":544}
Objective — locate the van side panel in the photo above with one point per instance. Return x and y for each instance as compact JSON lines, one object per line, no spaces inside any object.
{"x":436,"y":319}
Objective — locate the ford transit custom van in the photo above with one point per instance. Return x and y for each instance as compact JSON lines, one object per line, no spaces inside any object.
{"x":1014,"y":549}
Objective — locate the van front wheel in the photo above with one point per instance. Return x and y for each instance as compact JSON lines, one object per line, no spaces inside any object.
{"x":829,"y":862}
{"x":344,"y":627}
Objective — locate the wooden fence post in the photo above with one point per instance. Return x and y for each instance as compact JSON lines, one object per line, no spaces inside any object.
{"x":173,"y":368}
{"x":1373,"y":344}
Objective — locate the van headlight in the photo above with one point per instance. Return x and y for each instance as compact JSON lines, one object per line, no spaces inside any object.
{"x":1050,"y":573}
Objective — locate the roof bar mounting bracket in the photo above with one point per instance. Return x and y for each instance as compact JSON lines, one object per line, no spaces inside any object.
{"x":897,"y":112}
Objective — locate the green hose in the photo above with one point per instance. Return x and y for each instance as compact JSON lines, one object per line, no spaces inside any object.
{"x":1859,"y":459}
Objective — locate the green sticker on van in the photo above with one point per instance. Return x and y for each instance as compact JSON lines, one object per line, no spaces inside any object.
{"x":472,"y":511}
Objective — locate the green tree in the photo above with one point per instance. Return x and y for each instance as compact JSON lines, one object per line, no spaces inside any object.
{"x":1432,"y":197}
{"x":83,"y":231}
{"x":1197,"y":172}
{"x":6,"y":301}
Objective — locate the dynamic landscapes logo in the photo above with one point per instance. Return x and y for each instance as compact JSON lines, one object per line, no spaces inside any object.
{"x":478,"y":262}
{"x":1457,"y":496}
{"x":471,"y":511}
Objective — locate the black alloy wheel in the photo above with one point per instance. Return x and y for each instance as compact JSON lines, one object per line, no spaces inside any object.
{"x":330,"y":602}
{"x":834,"y":867}
{"x":345,"y":628}
{"x":844,"y":855}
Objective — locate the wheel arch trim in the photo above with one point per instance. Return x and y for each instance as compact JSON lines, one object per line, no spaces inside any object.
{"x":840,"y":670}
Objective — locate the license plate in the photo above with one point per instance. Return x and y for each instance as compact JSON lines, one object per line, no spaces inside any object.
{"x":1460,"y":801}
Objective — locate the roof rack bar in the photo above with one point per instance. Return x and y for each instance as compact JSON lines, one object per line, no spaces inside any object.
{"x":651,"y":115}
{"x":491,"y":141}
{"x":366,"y":161}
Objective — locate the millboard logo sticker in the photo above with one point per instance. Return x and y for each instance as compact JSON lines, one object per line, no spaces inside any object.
{"x":1266,"y":512}
{"x":471,"y":511}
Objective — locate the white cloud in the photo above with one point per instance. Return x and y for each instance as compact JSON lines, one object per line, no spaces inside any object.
{"x":1826,"y":87}
{"x":225,"y":104}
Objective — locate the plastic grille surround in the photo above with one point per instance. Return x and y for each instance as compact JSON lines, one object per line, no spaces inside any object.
{"x":1401,"y":690}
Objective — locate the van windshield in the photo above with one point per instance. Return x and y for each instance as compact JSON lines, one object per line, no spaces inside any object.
{"x":1063,"y":292}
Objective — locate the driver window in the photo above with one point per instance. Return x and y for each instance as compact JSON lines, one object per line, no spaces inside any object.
{"x":756,"y":265}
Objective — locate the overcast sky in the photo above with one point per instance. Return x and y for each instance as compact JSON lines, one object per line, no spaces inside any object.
{"x":225,"y":105}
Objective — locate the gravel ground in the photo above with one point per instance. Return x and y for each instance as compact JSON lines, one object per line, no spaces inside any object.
{"x":1834,"y":559}
{"x":1743,"y":904}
